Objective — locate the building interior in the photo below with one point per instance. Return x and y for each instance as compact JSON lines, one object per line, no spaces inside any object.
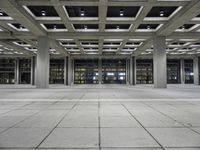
{"x":100,"y":74}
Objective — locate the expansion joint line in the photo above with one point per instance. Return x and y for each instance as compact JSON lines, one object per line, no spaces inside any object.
{"x":99,"y":124}
{"x":189,"y":127}
{"x":56,"y":125}
{"x":143,"y":127}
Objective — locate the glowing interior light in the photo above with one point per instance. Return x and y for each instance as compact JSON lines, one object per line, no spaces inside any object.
{"x":183,"y":27}
{"x":121,"y":13}
{"x":43,"y":13}
{"x":117,"y":27}
{"x":54,"y":27}
{"x":148,"y":27}
{"x":161,"y":13}
{"x":1,"y":13}
{"x":82,"y":13}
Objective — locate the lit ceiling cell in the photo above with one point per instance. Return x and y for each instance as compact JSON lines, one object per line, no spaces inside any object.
{"x":161,"y":11}
{"x":82,"y":11}
{"x":148,"y":26}
{"x":18,"y":26}
{"x":120,"y":26}
{"x":129,"y":11}
{"x":43,"y":11}
{"x":86,"y":26}
{"x":3,"y":14}
{"x":186,"y":26}
{"x":54,"y":26}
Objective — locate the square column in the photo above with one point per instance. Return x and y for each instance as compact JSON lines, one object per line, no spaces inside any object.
{"x":65,"y":71}
{"x":196,"y":70}
{"x":33,"y":70}
{"x":100,"y":70}
{"x":42,"y":69}
{"x":159,"y":62}
{"x":182,"y":71}
{"x":70,"y":69}
{"x":127,"y":70}
{"x":17,"y":74}
{"x":132,"y":71}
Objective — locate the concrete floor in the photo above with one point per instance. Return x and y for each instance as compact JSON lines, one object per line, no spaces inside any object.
{"x":105,"y":117}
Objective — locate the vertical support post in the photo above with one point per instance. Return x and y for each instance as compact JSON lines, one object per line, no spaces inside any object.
{"x":159,"y":62}
{"x":33,"y":70}
{"x":42,"y":69}
{"x":17,"y":71}
{"x":182,"y":72}
{"x":65,"y":71}
{"x":132,"y":71}
{"x":196,"y":70}
{"x":70,"y":71}
{"x":100,"y":70}
{"x":127,"y":70}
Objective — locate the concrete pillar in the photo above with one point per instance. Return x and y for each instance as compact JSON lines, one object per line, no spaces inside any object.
{"x":70,"y":69}
{"x":65,"y":71}
{"x":196,"y":70}
{"x":33,"y":70}
{"x":100,"y":71}
{"x":159,"y":62}
{"x":127,"y":70}
{"x":17,"y":73}
{"x":182,"y":71}
{"x":42,"y":69}
{"x":132,"y":71}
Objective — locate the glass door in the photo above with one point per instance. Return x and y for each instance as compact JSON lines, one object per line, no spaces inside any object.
{"x":86,"y":71}
{"x":114,"y":71}
{"x":173,"y":71}
{"x":25,"y":71}
{"x":56,"y":72}
{"x":189,"y":74}
{"x":7,"y":71}
{"x":144,"y":71}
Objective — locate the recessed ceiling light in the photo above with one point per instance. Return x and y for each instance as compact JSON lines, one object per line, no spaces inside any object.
{"x":1,"y":12}
{"x":183,"y":27}
{"x":82,"y":13}
{"x":148,"y":27}
{"x":43,"y":13}
{"x":21,"y":27}
{"x":85,"y":27}
{"x":117,"y":27}
{"x":161,"y":13}
{"x":121,"y":13}
{"x":54,"y":27}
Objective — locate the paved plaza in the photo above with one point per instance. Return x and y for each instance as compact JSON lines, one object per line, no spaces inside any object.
{"x":53,"y":119}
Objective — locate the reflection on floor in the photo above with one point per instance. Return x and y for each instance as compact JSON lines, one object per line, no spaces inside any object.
{"x":49,"y":119}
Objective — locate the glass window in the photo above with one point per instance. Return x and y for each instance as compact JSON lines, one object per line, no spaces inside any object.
{"x":144,"y":71}
{"x":189,"y":74}
{"x":114,"y":71}
{"x":25,"y":71}
{"x":173,"y":71}
{"x":7,"y":71}
{"x":56,"y":71}
{"x":86,"y":71}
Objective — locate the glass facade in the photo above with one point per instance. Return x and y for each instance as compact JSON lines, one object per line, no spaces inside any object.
{"x":114,"y":71}
{"x":144,"y":71}
{"x":189,"y":74}
{"x":25,"y":71}
{"x":173,"y":71}
{"x":7,"y":71}
{"x":56,"y":71}
{"x":86,"y":71}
